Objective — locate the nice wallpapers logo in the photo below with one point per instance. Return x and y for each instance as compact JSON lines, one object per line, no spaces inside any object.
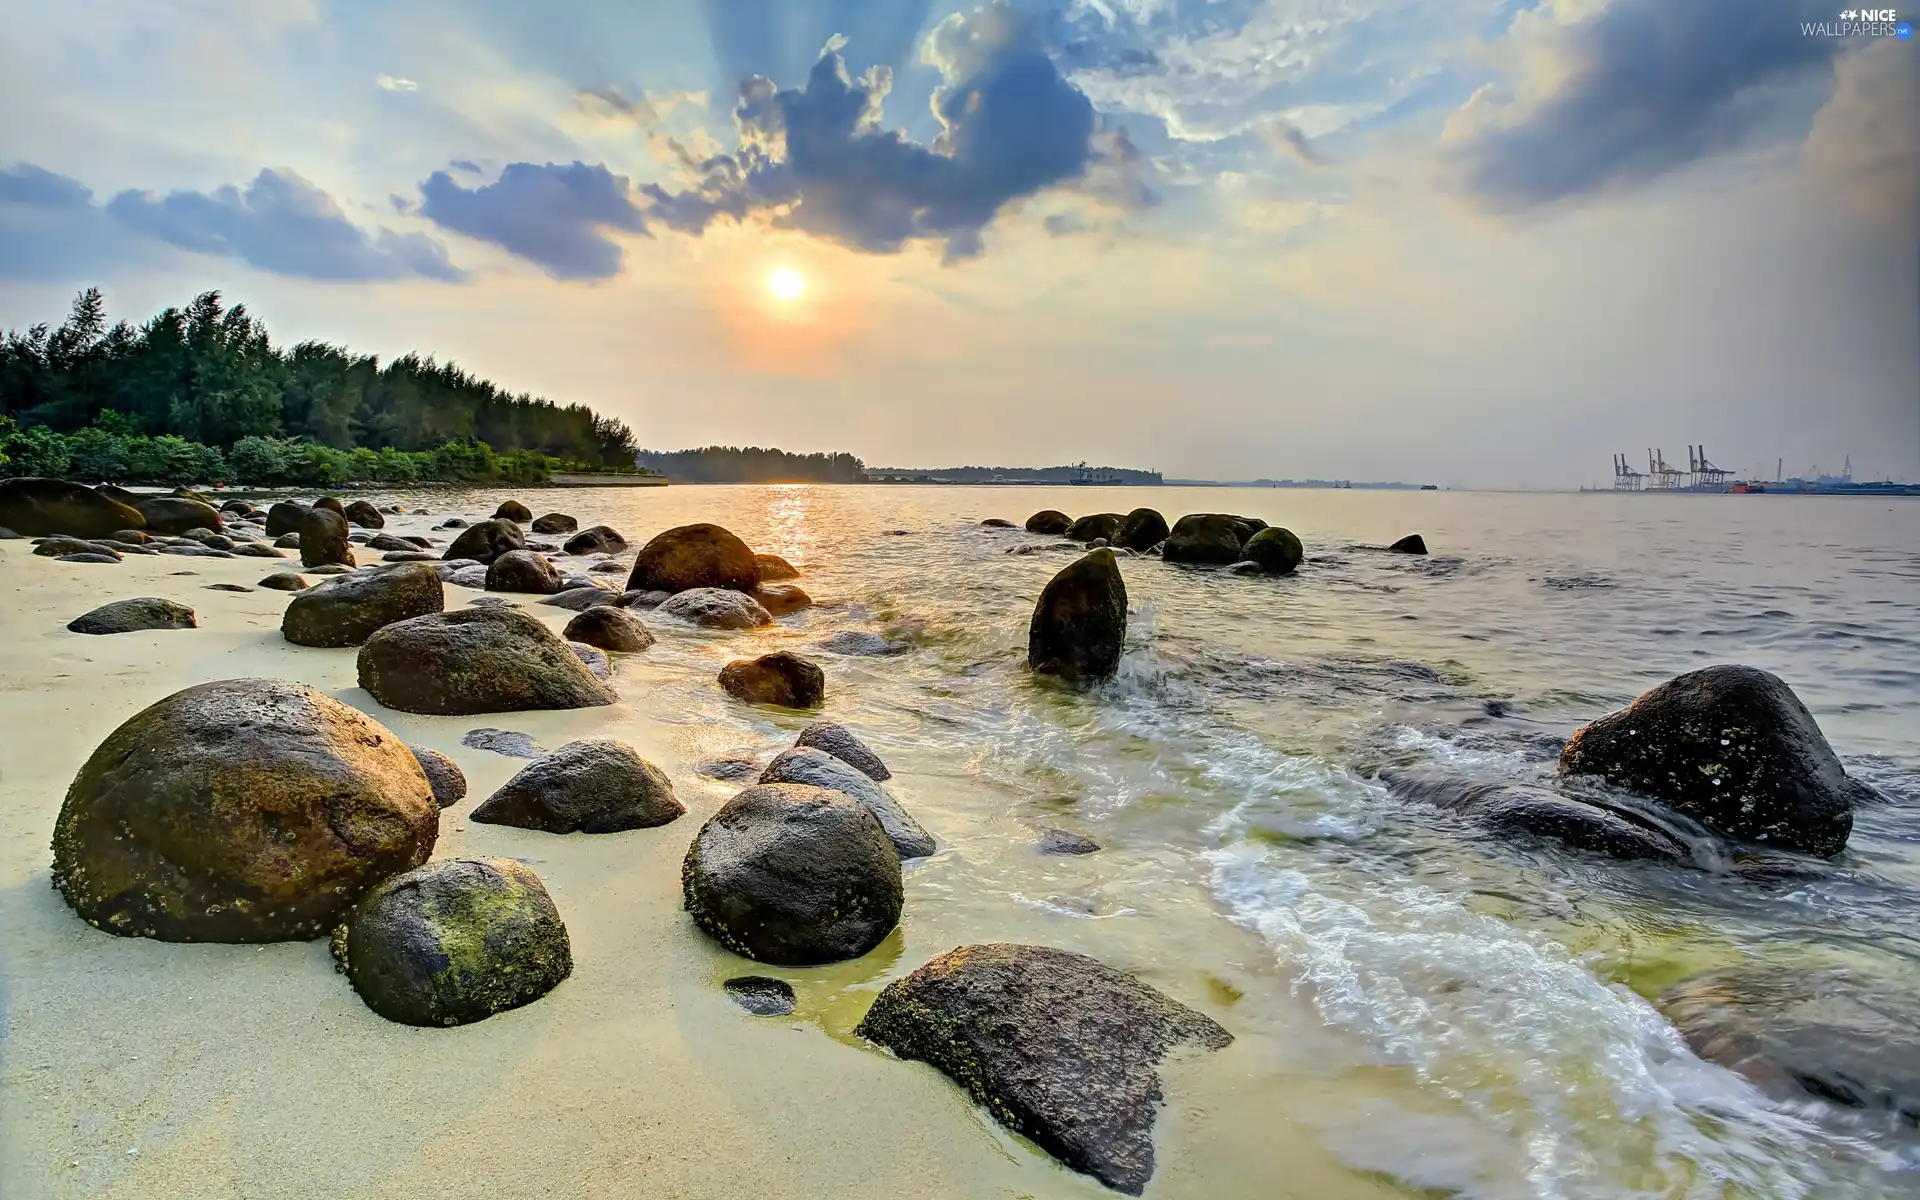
{"x":1861,"y":22}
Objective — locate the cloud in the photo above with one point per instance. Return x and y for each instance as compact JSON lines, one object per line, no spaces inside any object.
{"x":1641,"y":88}
{"x":555,"y":215}
{"x":283,"y":224}
{"x":1011,"y":126}
{"x":1286,"y":137}
{"x":26,"y":184}
{"x":646,"y":110}
{"x":1867,"y":138}
{"x":780,"y":39}
{"x":50,"y":229}
{"x":389,"y":83}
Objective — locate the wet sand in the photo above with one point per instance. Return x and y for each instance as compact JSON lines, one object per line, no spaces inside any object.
{"x":135,"y":1068}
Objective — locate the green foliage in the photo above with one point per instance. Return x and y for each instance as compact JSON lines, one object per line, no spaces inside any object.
{"x":752,"y":464}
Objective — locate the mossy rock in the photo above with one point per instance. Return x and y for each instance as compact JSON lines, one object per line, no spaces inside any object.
{"x":523,"y":571}
{"x":1049,"y":521}
{"x":555,"y":523}
{"x":1142,"y":529}
{"x":598,"y":539}
{"x":454,"y":942}
{"x":1096,"y":527}
{"x":1277,"y":550}
{"x":513,"y":510}
{"x":592,"y":786}
{"x":609,"y":627}
{"x":773,"y":568}
{"x":839,"y":741}
{"x":323,"y":539}
{"x":349,"y":609}
{"x":476,"y":660}
{"x":783,"y":679}
{"x":817,"y":768}
{"x":1079,"y":624}
{"x":131,"y":616}
{"x":1212,"y":539}
{"x":486,"y":541}
{"x":695,"y":556}
{"x":43,"y":507}
{"x":449,"y":782}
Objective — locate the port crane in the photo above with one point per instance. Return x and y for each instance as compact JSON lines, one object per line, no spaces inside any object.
{"x":1666,"y":477}
{"x":1625,"y":478}
{"x":1705,"y":474}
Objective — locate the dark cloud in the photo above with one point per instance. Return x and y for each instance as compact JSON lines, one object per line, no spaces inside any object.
{"x":555,"y":215}
{"x":1651,"y":85}
{"x":283,"y":224}
{"x":1011,"y":125}
{"x":1288,"y":138}
{"x":50,"y":229}
{"x":26,"y":184}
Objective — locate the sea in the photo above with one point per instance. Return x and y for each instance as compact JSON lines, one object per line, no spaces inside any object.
{"x":1437,"y":1011}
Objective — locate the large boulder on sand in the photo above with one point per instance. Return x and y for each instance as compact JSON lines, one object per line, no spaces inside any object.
{"x":555,"y":523}
{"x":839,"y":741}
{"x":1096,"y":527}
{"x":476,"y":660}
{"x":348,"y":609}
{"x":246,"y":810}
{"x":365,"y":515}
{"x":284,"y":518}
{"x":1277,"y":550}
{"x":609,"y":627}
{"x":716,"y":608}
{"x":1209,"y":538}
{"x":594,"y":786}
{"x":1059,"y":1047}
{"x":523,"y":571}
{"x":600,"y":539}
{"x":130,"y":616}
{"x":694,"y":556}
{"x":793,"y":875}
{"x":323,"y":538}
{"x":1143,"y":529}
{"x":175,"y":515}
{"x":784,"y":678}
{"x":486,"y":541}
{"x":454,"y":942}
{"x":817,"y":768}
{"x":44,"y":507}
{"x":1733,"y":748}
{"x":1080,"y":622}
{"x":1049,"y":521}
{"x":513,"y":510}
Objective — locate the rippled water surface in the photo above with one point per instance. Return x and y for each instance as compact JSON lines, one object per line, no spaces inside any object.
{"x":1450,"y":1015}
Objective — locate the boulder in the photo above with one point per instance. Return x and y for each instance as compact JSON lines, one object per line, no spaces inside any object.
{"x":716,"y":608}
{"x":474,"y":577}
{"x":1276,"y":550}
{"x":779,"y":599}
{"x":239,"y":508}
{"x":365,"y":515}
{"x":323,"y":539}
{"x":450,"y":523}
{"x":773,"y":568}
{"x":476,"y":660}
{"x":597,"y":786}
{"x":555,"y":523}
{"x":454,"y":942}
{"x":1096,"y":527}
{"x":1510,"y":810}
{"x":42,"y":507}
{"x":839,"y":741}
{"x":409,"y":556}
{"x":1060,"y":1048}
{"x":1142,"y":529}
{"x":448,"y":781}
{"x":1208,"y":538}
{"x":513,"y":510}
{"x":8,"y":535}
{"x":580,"y":599}
{"x":283,"y":581}
{"x":284,"y":517}
{"x":131,"y":537}
{"x":288,"y":541}
{"x":91,"y":556}
{"x":1413,"y":543}
{"x":179,"y":516}
{"x":817,"y":768}
{"x":997,"y":523}
{"x":256,"y":550}
{"x":523,"y":571}
{"x":1733,"y":748}
{"x":594,"y":658}
{"x":245,"y":810}
{"x":793,"y":875}
{"x":783,"y":678}
{"x":1080,"y":622}
{"x":119,"y":495}
{"x":643,"y":600}
{"x":486,"y":541}
{"x":609,"y":628}
{"x":129,"y":616}
{"x":59,"y":547}
{"x":388,"y":542}
{"x":695,"y":556}
{"x":349,"y":609}
{"x":1050,"y":521}
{"x":327,"y":569}
{"x":599,"y":539}
{"x":333,"y":505}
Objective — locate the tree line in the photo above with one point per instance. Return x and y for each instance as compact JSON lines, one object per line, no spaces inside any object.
{"x":752,"y":464}
{"x":201,"y":394}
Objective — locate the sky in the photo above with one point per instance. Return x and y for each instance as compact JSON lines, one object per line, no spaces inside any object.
{"x":1468,"y":242}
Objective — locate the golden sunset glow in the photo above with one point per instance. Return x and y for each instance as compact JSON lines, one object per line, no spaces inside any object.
{"x":786,"y":284}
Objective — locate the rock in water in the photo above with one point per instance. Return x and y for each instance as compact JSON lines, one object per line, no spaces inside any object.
{"x":1049,"y":520}
{"x":1143,"y":529}
{"x":555,"y":523}
{"x":365,"y":515}
{"x":129,"y":616}
{"x":773,"y":568}
{"x":43,"y":507}
{"x":595,"y":658}
{"x":580,"y":599}
{"x":284,"y":517}
{"x":448,"y":781}
{"x":596,"y":786}
{"x":716,"y":608}
{"x":510,"y":742}
{"x":1208,"y":538}
{"x":760,"y":995}
{"x":333,"y":505}
{"x":476,"y":660}
{"x":600,"y":539}
{"x":860,"y":644}
{"x":1059,"y":1047}
{"x":246,"y":810}
{"x":784,"y":678}
{"x":838,"y":740}
{"x":176,"y":515}
{"x":349,"y":609}
{"x":1517,"y":809}
{"x":523,"y":571}
{"x":1413,"y":543}
{"x":1733,"y":748}
{"x":1080,"y":622}
{"x":779,"y":599}
{"x":323,"y":539}
{"x":514,"y":511}
{"x":486,"y":541}
{"x":615,"y":629}
{"x":997,"y":523}
{"x":1060,"y":841}
{"x":694,"y":556}
{"x":1275,"y":549}
{"x":793,"y":875}
{"x":817,"y":768}
{"x":1096,"y":527}
{"x":454,"y":942}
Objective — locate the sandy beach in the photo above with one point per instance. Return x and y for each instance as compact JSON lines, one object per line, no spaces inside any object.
{"x":136,"y":1068}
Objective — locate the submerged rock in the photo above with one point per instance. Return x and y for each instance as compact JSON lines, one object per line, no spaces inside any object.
{"x":1080,"y":622}
{"x":129,"y":616}
{"x":839,"y":741}
{"x":1049,"y":521}
{"x":247,"y":810}
{"x":595,"y":786}
{"x":859,"y":644}
{"x":349,"y":609}
{"x":1059,"y":1047}
{"x":784,"y":678}
{"x":1059,"y":841}
{"x":454,"y":942}
{"x":476,"y":660}
{"x":1517,"y":809}
{"x":761,"y":996}
{"x":600,"y":539}
{"x":695,"y":556}
{"x":779,"y":599}
{"x":1733,"y":748}
{"x":43,"y":507}
{"x":1212,"y":539}
{"x":793,"y":875}
{"x":737,"y":768}
{"x":323,"y":539}
{"x":1413,"y":543}
{"x":510,"y":742}
{"x":716,"y":608}
{"x":1276,"y":550}
{"x":615,"y":629}
{"x":997,"y":523}
{"x":523,"y":571}
{"x":486,"y":541}
{"x":448,"y":781}
{"x":817,"y":768}
{"x":773,"y":568}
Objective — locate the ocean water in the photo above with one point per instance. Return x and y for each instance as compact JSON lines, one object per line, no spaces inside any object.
{"x":1443,"y":1013}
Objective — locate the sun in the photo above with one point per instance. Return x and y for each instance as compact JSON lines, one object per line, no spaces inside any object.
{"x":786,"y":284}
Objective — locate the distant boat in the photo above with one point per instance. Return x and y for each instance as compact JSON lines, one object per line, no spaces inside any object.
{"x":1429,"y":487}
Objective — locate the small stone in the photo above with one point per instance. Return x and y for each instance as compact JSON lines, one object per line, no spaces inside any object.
{"x":761,"y":996}
{"x":509,"y":742}
{"x":1059,"y":841}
